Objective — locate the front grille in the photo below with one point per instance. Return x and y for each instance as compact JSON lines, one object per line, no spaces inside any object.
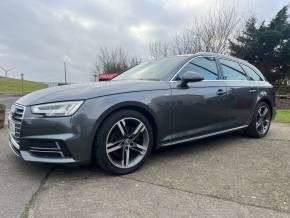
{"x":16,"y":115}
{"x":17,"y":112}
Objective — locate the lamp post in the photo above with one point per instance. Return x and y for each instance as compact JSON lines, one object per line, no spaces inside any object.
{"x":64,"y":63}
{"x":65,"y":59}
{"x":22,"y":75}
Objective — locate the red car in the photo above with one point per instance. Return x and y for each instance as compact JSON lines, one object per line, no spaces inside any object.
{"x":106,"y":76}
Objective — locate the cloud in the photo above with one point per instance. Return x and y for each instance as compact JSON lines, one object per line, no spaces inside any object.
{"x":38,"y":35}
{"x":141,"y":31}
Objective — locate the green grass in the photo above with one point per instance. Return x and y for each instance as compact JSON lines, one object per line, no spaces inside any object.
{"x":282,"y":116}
{"x":13,"y":86}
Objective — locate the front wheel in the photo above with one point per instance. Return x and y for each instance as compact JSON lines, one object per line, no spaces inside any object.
{"x":123,"y":142}
{"x":261,"y":121}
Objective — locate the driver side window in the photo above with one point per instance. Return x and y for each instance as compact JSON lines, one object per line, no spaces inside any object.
{"x":203,"y":65}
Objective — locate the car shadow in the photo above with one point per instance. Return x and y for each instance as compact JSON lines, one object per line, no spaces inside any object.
{"x":175,"y":151}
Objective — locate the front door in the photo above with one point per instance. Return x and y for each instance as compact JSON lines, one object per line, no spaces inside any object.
{"x":202,"y":107}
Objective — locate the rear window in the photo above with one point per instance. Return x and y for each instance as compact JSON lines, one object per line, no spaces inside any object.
{"x":232,"y":70}
{"x":251,"y":73}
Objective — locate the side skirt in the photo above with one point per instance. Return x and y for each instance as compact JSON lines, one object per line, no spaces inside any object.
{"x":202,"y":136}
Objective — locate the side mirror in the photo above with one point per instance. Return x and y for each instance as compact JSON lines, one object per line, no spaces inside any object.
{"x":190,"y":76}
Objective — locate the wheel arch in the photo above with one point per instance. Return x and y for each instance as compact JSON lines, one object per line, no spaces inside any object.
{"x":251,"y":129}
{"x":269,"y":103}
{"x":263,"y":97}
{"x":132,"y":105}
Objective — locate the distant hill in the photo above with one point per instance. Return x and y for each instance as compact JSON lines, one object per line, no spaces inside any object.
{"x":13,"y":86}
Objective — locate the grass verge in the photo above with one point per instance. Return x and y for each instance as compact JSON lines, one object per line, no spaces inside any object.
{"x":282,"y":116}
{"x":14,"y":86}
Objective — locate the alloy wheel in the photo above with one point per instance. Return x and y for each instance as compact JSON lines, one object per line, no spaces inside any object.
{"x":263,"y":119}
{"x":127,"y":143}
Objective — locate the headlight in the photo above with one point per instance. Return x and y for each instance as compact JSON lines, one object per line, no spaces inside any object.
{"x":58,"y":109}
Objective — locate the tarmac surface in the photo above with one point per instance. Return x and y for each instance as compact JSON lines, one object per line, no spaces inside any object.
{"x":225,"y":176}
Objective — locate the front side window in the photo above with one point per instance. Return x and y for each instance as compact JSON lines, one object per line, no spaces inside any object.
{"x":251,"y":73}
{"x":232,"y":70}
{"x":203,"y":65}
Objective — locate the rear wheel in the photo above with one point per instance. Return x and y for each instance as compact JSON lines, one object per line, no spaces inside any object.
{"x":123,"y":142}
{"x":261,"y":121}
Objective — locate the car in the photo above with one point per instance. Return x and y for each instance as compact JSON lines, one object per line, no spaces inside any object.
{"x":116,"y":124}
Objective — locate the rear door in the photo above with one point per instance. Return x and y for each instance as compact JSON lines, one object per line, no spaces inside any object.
{"x":242,"y":95}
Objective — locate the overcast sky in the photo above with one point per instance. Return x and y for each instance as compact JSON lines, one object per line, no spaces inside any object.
{"x":36,"y":36}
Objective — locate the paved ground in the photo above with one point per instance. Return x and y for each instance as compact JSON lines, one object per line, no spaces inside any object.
{"x":8,"y":100}
{"x":226,"y":176}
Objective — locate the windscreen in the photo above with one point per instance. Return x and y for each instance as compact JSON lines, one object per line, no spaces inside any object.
{"x":152,"y":70}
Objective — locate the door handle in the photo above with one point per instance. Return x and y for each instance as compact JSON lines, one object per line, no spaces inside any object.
{"x":221,"y":92}
{"x":252,"y":90}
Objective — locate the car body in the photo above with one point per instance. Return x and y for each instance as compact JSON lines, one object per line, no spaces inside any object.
{"x":221,"y":101}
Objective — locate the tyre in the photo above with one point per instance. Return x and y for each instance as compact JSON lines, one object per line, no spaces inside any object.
{"x":123,"y":142}
{"x":261,"y":121}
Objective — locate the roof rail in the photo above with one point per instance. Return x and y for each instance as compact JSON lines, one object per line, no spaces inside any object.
{"x":222,"y":55}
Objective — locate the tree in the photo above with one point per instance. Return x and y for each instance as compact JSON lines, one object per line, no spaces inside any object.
{"x":159,"y":49}
{"x":114,"y":60}
{"x":211,"y":34}
{"x":266,"y":46}
{"x":248,"y":40}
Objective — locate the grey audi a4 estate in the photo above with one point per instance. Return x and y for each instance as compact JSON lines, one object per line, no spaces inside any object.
{"x":159,"y":103}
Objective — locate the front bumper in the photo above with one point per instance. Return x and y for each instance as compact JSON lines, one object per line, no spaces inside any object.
{"x":28,"y":155}
{"x":63,"y":140}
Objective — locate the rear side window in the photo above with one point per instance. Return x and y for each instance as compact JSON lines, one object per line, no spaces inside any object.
{"x":251,"y":73}
{"x":203,"y":65}
{"x":232,"y":70}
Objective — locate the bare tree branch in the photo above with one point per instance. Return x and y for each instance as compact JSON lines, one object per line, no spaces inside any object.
{"x":114,"y":60}
{"x":211,"y":34}
{"x":158,"y":49}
